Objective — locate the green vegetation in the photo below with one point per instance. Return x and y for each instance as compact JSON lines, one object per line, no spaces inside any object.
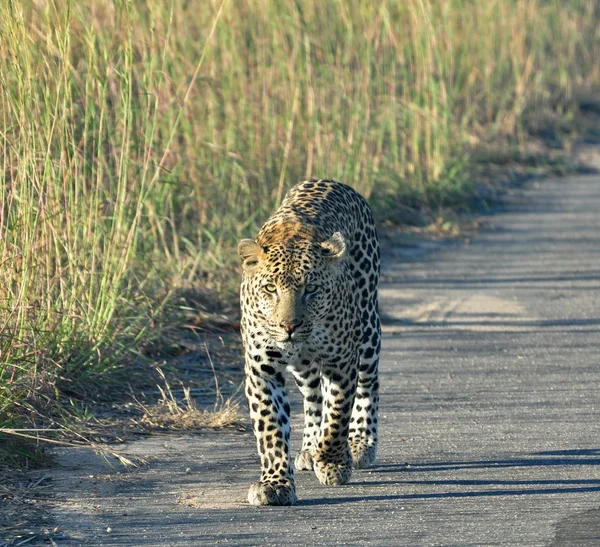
{"x":140,"y":140}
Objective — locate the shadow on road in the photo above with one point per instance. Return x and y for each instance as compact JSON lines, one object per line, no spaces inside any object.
{"x":451,"y":495}
{"x":539,"y":459}
{"x":388,"y":321}
{"x":469,"y":488}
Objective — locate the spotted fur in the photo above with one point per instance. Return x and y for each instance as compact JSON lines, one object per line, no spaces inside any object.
{"x":309,"y":304}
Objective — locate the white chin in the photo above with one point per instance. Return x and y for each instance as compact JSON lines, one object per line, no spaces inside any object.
{"x":287,"y":344}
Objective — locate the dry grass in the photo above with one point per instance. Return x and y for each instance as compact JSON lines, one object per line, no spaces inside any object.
{"x":21,"y":520}
{"x":181,"y":413}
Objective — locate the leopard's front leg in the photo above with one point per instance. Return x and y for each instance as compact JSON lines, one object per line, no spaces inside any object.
{"x":308,"y":379}
{"x":363,"y":424}
{"x":270,"y":414}
{"x":331,"y":456}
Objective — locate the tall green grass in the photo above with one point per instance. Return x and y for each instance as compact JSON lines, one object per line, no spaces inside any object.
{"x":140,"y":140}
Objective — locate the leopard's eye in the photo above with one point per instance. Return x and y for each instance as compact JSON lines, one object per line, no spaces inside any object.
{"x":270,"y":288}
{"x":310,"y":288}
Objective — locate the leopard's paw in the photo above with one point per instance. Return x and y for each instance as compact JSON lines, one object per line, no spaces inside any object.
{"x":333,"y":474}
{"x":303,"y":461}
{"x":268,"y":493}
{"x":363,"y":454}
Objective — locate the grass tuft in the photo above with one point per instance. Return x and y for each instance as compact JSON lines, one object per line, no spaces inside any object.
{"x":183,"y":413}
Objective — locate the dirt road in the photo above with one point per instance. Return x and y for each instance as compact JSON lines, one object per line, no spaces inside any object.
{"x":490,"y":433}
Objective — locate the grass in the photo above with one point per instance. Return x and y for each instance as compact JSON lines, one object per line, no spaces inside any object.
{"x":173,"y":413}
{"x":140,"y":140}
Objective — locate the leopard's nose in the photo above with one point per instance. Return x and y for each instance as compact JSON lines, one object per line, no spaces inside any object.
{"x":290,"y":327}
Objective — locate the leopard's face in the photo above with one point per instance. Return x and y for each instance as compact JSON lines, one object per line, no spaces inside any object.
{"x":288,"y":287}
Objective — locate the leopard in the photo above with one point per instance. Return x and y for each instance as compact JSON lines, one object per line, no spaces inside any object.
{"x":309,"y":306}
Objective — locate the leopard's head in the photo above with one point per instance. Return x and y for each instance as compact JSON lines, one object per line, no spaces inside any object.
{"x":289,"y":284}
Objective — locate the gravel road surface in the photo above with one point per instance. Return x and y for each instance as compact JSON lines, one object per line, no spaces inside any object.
{"x":490,"y":432}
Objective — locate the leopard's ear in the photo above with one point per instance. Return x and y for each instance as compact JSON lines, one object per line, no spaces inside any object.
{"x":334,"y":247}
{"x":251,"y":254}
